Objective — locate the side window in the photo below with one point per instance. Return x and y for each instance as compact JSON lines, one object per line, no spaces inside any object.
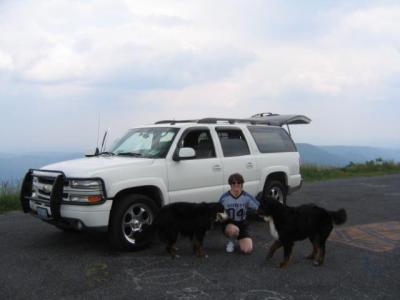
{"x":272,"y":139}
{"x":233,"y":142}
{"x":200,"y":140}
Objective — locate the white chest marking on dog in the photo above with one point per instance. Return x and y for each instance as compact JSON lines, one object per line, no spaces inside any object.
{"x":272,"y":228}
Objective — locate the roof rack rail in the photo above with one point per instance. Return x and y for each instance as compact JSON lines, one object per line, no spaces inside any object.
{"x":208,"y":121}
{"x":172,"y":122}
{"x":261,"y":119}
{"x":229,"y":120}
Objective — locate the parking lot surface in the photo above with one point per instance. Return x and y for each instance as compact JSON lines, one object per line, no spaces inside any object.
{"x":38,"y":261}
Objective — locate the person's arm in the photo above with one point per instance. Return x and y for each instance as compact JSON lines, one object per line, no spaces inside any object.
{"x":221,"y":199}
{"x":252,"y":201}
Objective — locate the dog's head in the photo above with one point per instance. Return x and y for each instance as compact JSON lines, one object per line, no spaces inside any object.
{"x":267,"y":208}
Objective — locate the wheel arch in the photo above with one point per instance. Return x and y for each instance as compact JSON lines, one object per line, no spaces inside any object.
{"x":280,"y":176}
{"x":150,"y":191}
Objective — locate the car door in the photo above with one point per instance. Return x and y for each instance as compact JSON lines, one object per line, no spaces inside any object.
{"x":237,"y":158}
{"x":199,"y":178}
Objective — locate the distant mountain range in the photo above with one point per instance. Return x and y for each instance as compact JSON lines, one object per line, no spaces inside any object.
{"x":339,"y":156}
{"x":14,"y":166}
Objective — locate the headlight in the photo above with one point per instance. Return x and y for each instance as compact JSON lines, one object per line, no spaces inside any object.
{"x":85,"y":184}
{"x":85,"y":191}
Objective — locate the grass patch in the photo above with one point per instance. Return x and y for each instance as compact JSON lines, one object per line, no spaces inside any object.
{"x":9,"y":196}
{"x":9,"y":191}
{"x":370,"y":168}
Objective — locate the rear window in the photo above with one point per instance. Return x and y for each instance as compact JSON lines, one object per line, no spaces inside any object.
{"x":272,"y":139}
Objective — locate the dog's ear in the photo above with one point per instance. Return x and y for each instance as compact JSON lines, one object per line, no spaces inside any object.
{"x":269,"y":201}
{"x":216,"y":206}
{"x":267,"y":205}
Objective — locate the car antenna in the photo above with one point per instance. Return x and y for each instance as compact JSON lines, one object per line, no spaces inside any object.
{"x":98,"y":134}
{"x":104,"y":141}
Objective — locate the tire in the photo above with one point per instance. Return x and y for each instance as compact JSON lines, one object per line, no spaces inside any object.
{"x":274,"y":189}
{"x":128,"y":216}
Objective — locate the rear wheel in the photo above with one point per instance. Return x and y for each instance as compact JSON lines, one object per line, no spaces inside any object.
{"x":130,"y":217}
{"x":274,"y":189}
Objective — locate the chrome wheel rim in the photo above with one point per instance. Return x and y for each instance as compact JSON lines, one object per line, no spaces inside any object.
{"x":134,"y":218}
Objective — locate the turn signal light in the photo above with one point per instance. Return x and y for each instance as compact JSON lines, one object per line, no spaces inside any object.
{"x":94,"y":198}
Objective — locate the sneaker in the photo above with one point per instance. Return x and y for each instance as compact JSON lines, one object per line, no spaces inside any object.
{"x":230,"y":247}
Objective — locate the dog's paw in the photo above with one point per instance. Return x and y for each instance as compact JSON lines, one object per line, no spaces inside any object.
{"x":201,"y":255}
{"x":317,"y":263}
{"x":221,"y":217}
{"x":175,"y":256}
{"x":283,"y":264}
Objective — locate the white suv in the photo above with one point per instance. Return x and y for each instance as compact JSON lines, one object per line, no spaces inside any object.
{"x":121,"y":190}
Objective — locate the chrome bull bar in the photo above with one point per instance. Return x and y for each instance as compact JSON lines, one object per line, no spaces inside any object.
{"x":55,"y":196}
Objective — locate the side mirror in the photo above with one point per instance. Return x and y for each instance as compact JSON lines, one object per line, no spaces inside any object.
{"x":185,"y":153}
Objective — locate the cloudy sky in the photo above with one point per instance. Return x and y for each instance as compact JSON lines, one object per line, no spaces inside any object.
{"x":65,"y":62}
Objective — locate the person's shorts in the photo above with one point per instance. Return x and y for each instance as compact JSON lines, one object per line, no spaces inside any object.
{"x":243,"y":228}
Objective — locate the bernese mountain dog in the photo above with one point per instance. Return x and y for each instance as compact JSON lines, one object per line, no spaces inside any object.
{"x":290,"y":224}
{"x":192,"y":220}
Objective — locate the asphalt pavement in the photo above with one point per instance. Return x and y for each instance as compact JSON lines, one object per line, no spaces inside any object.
{"x":38,"y":261}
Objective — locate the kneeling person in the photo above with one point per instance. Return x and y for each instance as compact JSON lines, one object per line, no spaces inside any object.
{"x":236,"y":202}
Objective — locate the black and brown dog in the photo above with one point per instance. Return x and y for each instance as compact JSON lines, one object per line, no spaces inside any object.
{"x":192,"y":220}
{"x":290,"y":224}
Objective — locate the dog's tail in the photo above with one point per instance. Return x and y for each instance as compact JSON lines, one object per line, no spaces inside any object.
{"x":339,"y":216}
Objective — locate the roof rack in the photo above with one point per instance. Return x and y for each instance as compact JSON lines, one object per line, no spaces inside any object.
{"x":261,"y":119}
{"x":260,"y":115}
{"x":229,"y":120}
{"x":205,"y":121}
{"x":172,"y":122}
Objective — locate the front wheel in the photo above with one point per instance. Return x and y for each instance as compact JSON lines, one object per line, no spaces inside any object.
{"x":274,"y":189}
{"x":130,"y":216}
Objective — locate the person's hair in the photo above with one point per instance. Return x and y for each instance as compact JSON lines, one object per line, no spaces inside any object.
{"x":236,"y":177}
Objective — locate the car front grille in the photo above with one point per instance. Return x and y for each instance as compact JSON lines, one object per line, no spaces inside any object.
{"x":42,"y":187}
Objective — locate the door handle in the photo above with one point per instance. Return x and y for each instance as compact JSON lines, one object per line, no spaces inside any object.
{"x":249,"y":165}
{"x":216,"y":167}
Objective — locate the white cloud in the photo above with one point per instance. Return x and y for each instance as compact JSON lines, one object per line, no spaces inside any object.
{"x":6,"y":62}
{"x":188,"y":59}
{"x":382,"y":21}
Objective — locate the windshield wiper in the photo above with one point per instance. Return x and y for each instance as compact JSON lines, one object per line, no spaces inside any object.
{"x":106,"y":153}
{"x":134,"y":154}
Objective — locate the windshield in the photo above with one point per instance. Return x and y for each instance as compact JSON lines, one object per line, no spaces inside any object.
{"x":146,"y":142}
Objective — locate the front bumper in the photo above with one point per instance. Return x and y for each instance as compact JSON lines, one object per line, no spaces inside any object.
{"x":71,"y":215}
{"x":56,"y":212}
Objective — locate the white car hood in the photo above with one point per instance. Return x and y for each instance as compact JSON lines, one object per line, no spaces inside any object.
{"x":96,"y":166}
